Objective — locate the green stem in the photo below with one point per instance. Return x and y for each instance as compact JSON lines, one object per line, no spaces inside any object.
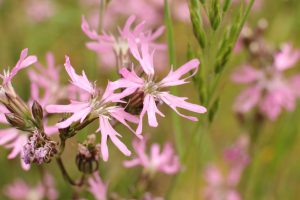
{"x":101,"y":15}
{"x":66,"y":176}
{"x":175,"y":120}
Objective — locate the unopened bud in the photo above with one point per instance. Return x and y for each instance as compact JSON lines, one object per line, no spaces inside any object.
{"x":15,"y":120}
{"x":37,"y":111}
{"x":16,"y":105}
{"x":88,"y":155}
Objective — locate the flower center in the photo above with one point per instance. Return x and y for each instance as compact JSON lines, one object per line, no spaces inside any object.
{"x":150,"y":87}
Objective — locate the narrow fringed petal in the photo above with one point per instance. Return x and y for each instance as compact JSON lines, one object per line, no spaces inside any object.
{"x":106,"y":131}
{"x":175,"y":102}
{"x":175,"y":77}
{"x":246,"y":74}
{"x":77,"y":80}
{"x":247,"y":99}
{"x":23,"y":62}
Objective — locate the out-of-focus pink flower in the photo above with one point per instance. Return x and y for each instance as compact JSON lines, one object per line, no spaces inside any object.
{"x":155,"y":91}
{"x":97,"y":187}
{"x":268,"y":88}
{"x":181,"y":11}
{"x":149,"y":196}
{"x":50,"y":190}
{"x":110,"y":46}
{"x":102,"y":107}
{"x":12,"y":138}
{"x":237,"y":157}
{"x":46,"y":87}
{"x":39,"y":10}
{"x":287,"y":57}
{"x":223,"y":185}
{"x":165,"y":161}
{"x":20,"y":190}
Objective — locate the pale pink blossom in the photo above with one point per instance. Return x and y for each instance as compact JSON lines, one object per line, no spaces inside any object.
{"x":110,"y":46}
{"x":287,"y":57}
{"x":268,"y":88}
{"x":181,"y":11}
{"x":23,"y":62}
{"x":155,"y":91}
{"x":97,"y":187}
{"x":46,"y":87}
{"x":151,"y":12}
{"x":20,"y":190}
{"x":223,"y":185}
{"x":102,"y":107}
{"x":165,"y":161}
{"x":39,"y":10}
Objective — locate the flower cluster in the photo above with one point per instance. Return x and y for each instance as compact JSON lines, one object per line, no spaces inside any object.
{"x":268,"y":88}
{"x":108,"y":106}
{"x":124,"y":101}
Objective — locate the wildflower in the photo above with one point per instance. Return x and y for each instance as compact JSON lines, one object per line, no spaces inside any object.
{"x":20,"y":190}
{"x":46,"y":87}
{"x":224,"y":186}
{"x":102,"y":107}
{"x":166,"y":161}
{"x":118,"y":45}
{"x":39,"y":11}
{"x":97,"y":187}
{"x":154,"y":91}
{"x":23,"y":62}
{"x":268,"y":88}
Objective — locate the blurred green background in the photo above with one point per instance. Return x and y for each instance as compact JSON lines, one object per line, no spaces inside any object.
{"x":277,"y":165}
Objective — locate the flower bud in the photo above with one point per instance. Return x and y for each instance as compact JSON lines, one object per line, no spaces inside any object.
{"x":37,"y":113}
{"x":15,"y":120}
{"x":88,"y":155}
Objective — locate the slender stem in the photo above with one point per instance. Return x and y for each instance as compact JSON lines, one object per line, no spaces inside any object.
{"x":66,"y":176}
{"x":101,"y":14}
{"x":175,"y":120}
{"x":64,"y":172}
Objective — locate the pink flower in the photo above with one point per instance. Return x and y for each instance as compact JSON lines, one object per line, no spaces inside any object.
{"x":286,"y":58}
{"x":224,"y":185}
{"x":20,"y":190}
{"x":46,"y":87}
{"x":97,"y":187}
{"x":117,"y":46}
{"x":39,"y":11}
{"x":102,"y":107}
{"x":268,"y":89}
{"x":12,"y":138}
{"x":22,"y":63}
{"x":237,"y":157}
{"x":155,"y":91}
{"x":166,"y":161}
